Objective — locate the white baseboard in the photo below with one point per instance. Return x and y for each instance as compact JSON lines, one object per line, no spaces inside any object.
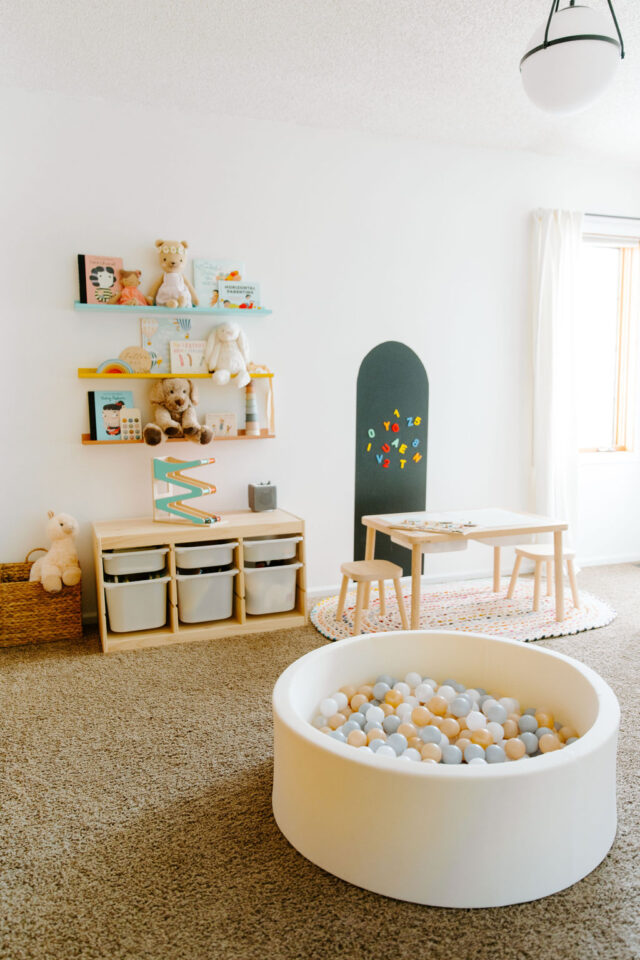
{"x":609,"y":561}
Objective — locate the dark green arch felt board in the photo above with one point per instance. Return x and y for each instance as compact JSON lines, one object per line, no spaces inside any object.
{"x":391,"y":442}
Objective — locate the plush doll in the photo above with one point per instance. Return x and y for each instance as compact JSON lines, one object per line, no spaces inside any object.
{"x":172,"y":289}
{"x":175,"y":415}
{"x":227,"y":354}
{"x":60,"y":563}
{"x":130,"y":295}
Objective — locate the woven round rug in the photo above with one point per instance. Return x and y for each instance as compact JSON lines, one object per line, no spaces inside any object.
{"x":470,"y":605}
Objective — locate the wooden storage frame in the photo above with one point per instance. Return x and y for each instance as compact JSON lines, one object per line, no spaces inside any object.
{"x":237,"y":525}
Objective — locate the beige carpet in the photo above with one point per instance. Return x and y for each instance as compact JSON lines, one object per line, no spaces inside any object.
{"x":136,"y":816}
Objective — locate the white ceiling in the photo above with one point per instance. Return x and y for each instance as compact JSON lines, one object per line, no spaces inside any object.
{"x":442,"y":71}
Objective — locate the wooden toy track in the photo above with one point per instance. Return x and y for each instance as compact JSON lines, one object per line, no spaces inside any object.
{"x":164,"y":472}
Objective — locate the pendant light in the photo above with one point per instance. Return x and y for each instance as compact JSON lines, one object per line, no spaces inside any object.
{"x":572,"y":58}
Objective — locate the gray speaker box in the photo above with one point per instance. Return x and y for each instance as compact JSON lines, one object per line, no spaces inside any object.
{"x":262,"y":496}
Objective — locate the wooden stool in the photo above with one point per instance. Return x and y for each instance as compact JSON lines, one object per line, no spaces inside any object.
{"x":543,"y":553}
{"x":363,"y":572}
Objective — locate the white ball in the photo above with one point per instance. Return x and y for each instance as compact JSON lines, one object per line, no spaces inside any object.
{"x":510,"y":704}
{"x":328,"y":707}
{"x":404,"y":710}
{"x":447,"y":692}
{"x":487,"y":704}
{"x":477,"y":760}
{"x":424,"y":692}
{"x":411,"y":754}
{"x":375,"y":715}
{"x":444,"y":739}
{"x":402,"y":688}
{"x":413,"y":679}
{"x":340,"y":698}
{"x":385,"y":751}
{"x":320,"y":721}
{"x":496,"y":730}
{"x":476,"y":720}
{"x":411,"y":701}
{"x":472,"y":693}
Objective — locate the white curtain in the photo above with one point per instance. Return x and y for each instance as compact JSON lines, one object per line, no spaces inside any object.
{"x":557,"y":236}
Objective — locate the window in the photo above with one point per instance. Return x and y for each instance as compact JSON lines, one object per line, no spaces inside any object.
{"x":607,"y":329}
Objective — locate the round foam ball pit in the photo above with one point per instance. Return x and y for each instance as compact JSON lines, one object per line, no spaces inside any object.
{"x":448,"y":836}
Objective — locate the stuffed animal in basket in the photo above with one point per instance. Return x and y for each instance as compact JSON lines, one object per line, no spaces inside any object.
{"x":60,"y":563}
{"x":130,"y":295}
{"x":172,"y":289}
{"x":227,"y":354}
{"x":175,"y":401}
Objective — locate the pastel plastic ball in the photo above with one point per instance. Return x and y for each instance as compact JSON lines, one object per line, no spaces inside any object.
{"x":393,"y":697}
{"x":460,"y":706}
{"x":570,"y":740}
{"x":515,"y":749}
{"x":451,"y":754}
{"x":541,"y":731}
{"x":476,"y":720}
{"x":438,"y":705}
{"x":357,"y":718}
{"x":567,"y":733}
{"x":375,"y":734}
{"x":336,"y":720}
{"x":374,"y":745}
{"x":444,"y":739}
{"x":473,"y":751}
{"x":421,"y":716}
{"x":495,"y":754}
{"x":372,"y":725}
{"x":357,"y":738}
{"x":487,"y":702}
{"x":386,"y":751}
{"x":511,"y":729}
{"x":476,"y":761}
{"x":340,"y":699}
{"x":338,"y":735}
{"x":402,"y":688}
{"x":431,"y":751}
{"x":510,"y":704}
{"x":349,"y":691}
{"x":482,"y":737}
{"x":357,"y":701}
{"x":430,"y":734}
{"x":349,"y":727}
{"x":374,"y":715}
{"x":386,"y":678}
{"x":495,"y":712}
{"x":424,"y":692}
{"x":415,"y":743}
{"x":366,"y":690}
{"x":450,"y":727}
{"x":411,"y":754}
{"x":390,"y":724}
{"x":549,"y":742}
{"x":328,"y":707}
{"x":496,"y":730}
{"x":319,"y":721}
{"x":413,"y":679}
{"x":544,"y":718}
{"x":407,"y":730}
{"x":462,"y":744}
{"x":449,"y":693}
{"x":530,"y":742}
{"x":380,"y":689}
{"x":398,"y":743}
{"x":527,"y":723}
{"x":404,"y":711}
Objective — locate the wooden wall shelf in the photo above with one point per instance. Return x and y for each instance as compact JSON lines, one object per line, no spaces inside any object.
{"x":87,"y":441}
{"x":237,"y":312}
{"x":89,"y":373}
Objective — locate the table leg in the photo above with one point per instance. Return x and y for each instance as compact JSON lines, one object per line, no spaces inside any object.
{"x":416,"y":565}
{"x":557,"y":563}
{"x":369,"y":551}
{"x":496,"y":569}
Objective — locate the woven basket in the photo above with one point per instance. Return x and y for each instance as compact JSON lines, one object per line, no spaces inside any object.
{"x":28,"y":614}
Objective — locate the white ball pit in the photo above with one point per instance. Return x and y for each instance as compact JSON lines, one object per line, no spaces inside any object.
{"x":448,"y":836}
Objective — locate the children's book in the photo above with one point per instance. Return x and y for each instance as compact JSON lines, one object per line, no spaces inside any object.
{"x":244,"y":296}
{"x":156,"y":335}
{"x":187,"y":357}
{"x":222,"y":424}
{"x":207,"y":274}
{"x":98,"y":278}
{"x":104,"y":412}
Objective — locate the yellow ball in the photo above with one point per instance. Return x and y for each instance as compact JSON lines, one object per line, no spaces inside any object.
{"x":431,"y":751}
{"x":421,"y":716}
{"x":515,"y":749}
{"x":549,"y":742}
{"x":357,"y":738}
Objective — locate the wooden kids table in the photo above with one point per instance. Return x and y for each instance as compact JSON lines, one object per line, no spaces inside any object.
{"x":492,"y":526}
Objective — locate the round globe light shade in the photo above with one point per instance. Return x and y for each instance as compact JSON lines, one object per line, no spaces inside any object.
{"x":569,"y":76}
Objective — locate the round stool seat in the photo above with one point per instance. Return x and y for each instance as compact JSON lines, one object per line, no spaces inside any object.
{"x":364,"y":571}
{"x":541,"y":551}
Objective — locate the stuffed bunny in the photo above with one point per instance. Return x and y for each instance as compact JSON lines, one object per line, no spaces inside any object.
{"x":227,"y":354}
{"x":60,"y":563}
{"x":174,"y":400}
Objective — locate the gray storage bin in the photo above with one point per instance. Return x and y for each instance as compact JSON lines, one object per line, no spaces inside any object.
{"x":205,"y":596}
{"x":192,"y":555}
{"x":271,"y":589}
{"x":264,"y":550}
{"x":120,"y":562}
{"x":140,"y":605}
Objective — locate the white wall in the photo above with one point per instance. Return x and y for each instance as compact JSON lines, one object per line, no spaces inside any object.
{"x":354,"y":239}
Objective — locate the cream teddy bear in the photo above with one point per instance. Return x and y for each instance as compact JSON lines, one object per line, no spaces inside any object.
{"x":60,"y":564}
{"x":227,"y":354}
{"x":172,"y":289}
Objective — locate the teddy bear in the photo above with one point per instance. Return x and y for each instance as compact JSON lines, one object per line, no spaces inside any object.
{"x":130,"y":295}
{"x":175,"y":400}
{"x":227,"y":354}
{"x":173,"y":289}
{"x":60,"y":563}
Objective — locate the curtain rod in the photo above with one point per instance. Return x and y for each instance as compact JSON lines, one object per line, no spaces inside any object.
{"x":611,"y":216}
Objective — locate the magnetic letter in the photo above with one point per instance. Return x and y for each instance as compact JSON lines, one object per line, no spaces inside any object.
{"x":371,"y":432}
{"x":386,"y":463}
{"x":417,"y":421}
{"x":403,"y":448}
{"x":386,"y":423}
{"x":402,"y":463}
{"x":415,"y":443}
{"x":409,"y":421}
{"x":395,"y":427}
{"x":417,"y":457}
{"x":368,"y":447}
{"x":385,"y":448}
{"x":379,"y":457}
{"x":396,"y":413}
{"x":395,"y":443}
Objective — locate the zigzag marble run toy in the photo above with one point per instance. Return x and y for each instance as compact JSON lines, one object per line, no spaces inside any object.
{"x":168,"y":500}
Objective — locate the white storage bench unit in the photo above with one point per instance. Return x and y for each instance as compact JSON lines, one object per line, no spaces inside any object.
{"x":198,"y":577}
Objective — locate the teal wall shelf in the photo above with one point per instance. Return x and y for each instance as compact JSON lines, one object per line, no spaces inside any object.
{"x":187,"y":311}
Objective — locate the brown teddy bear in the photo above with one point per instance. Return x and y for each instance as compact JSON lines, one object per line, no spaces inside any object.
{"x":172,"y":289}
{"x":130,"y":295}
{"x":175,"y":416}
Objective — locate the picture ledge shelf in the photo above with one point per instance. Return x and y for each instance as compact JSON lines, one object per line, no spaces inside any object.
{"x":89,"y":373}
{"x":87,"y":441}
{"x":186,"y":311}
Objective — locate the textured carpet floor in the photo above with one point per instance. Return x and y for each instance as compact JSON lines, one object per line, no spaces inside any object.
{"x":136,"y":816}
